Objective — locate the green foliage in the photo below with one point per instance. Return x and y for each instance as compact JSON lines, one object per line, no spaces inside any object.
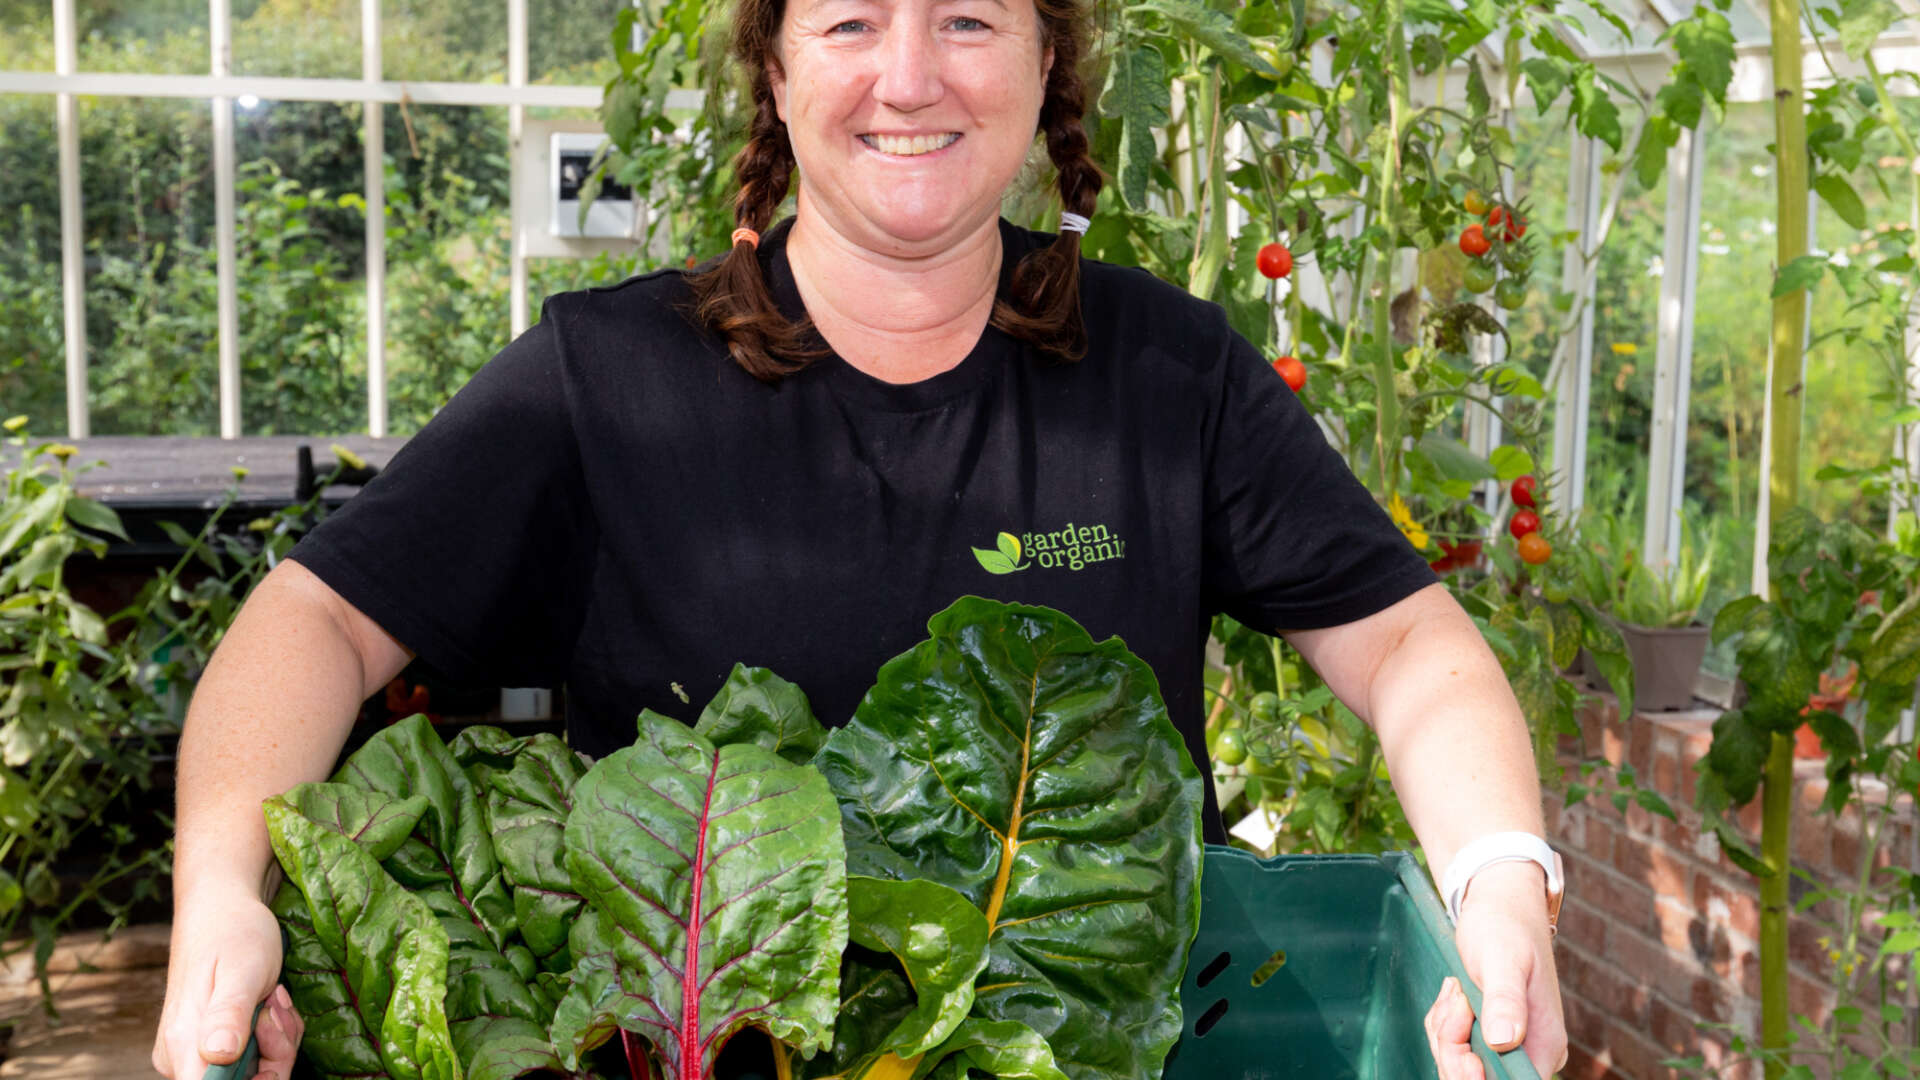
{"x":92,"y":697}
{"x":1042,"y":729}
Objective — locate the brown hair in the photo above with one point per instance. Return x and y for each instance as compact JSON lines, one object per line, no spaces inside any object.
{"x":732,"y":297}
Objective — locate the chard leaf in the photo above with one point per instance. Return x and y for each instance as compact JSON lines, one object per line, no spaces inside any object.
{"x":449,"y":861}
{"x":527,"y":808}
{"x":379,"y":942}
{"x":1012,"y":758}
{"x":1005,"y":1048}
{"x":378,"y":822}
{"x":939,"y":938}
{"x":760,"y":707}
{"x":505,"y":1048}
{"x":715,"y":879}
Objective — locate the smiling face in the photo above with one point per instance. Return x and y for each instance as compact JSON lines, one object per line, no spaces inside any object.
{"x":908,"y":118}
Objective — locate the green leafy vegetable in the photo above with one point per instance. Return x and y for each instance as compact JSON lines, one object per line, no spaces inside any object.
{"x":1015,"y":760}
{"x":716,"y":881}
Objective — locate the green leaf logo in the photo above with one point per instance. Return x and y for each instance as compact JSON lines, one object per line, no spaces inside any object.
{"x":1006,"y":560}
{"x":994,"y":562}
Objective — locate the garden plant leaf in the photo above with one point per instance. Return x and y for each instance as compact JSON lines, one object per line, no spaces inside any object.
{"x":1012,"y":758}
{"x":716,"y":883}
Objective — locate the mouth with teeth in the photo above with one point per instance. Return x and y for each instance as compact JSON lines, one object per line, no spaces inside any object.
{"x":910,"y":145}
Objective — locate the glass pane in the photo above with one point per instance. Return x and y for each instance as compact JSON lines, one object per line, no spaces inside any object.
{"x":1541,"y":159}
{"x":310,"y":38}
{"x":442,"y":42}
{"x":153,"y":37}
{"x":26,"y":35}
{"x":1728,"y":395}
{"x":569,"y":41}
{"x":32,"y":342}
{"x":447,"y":254}
{"x":1626,"y":301}
{"x":300,"y":243}
{"x":152,"y":327}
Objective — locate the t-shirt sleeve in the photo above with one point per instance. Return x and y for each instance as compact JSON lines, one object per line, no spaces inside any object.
{"x":475,"y":546}
{"x":1294,"y":540}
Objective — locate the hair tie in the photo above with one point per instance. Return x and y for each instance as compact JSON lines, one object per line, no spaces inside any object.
{"x":1071,"y":222}
{"x":744,"y":233}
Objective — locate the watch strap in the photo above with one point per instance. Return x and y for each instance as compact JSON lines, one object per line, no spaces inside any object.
{"x":1497,"y":848}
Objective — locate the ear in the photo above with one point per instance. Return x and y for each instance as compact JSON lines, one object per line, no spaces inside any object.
{"x":777,"y":82}
{"x":1046,"y":64}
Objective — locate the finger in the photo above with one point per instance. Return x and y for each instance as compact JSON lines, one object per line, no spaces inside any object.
{"x":1433,"y":1023}
{"x":1456,"y":1037}
{"x":1503,"y":1001}
{"x":238,"y":986}
{"x":280,"y":1031}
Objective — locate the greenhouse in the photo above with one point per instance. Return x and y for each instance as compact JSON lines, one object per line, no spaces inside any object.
{"x":1334,"y":538}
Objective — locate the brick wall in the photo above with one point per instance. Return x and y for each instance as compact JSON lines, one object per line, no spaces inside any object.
{"x":1659,"y":930}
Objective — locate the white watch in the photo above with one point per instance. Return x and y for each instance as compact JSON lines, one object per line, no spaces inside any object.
{"x":1499,"y":848}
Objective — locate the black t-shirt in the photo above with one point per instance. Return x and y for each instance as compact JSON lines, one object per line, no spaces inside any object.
{"x":613,"y":503}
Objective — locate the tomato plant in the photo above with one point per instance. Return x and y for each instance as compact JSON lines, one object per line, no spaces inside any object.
{"x":1477,"y":277}
{"x":1292,"y":370}
{"x":1534,"y":549}
{"x":1511,"y":294}
{"x":1473,"y":241}
{"x":1275,"y":261}
{"x":1516,"y":226}
{"x":1523,"y":490}
{"x":1522,"y":523}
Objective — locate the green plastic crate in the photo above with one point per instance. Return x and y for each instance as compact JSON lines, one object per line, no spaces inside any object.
{"x":1348,"y":952}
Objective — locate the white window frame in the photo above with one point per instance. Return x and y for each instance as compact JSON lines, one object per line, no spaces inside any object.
{"x":220,"y":87}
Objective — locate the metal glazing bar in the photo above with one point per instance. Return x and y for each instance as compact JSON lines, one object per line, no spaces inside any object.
{"x":73,"y":266}
{"x":516,"y":123}
{"x":276,"y":88}
{"x":1673,"y":368}
{"x":220,"y":62}
{"x":373,"y":156}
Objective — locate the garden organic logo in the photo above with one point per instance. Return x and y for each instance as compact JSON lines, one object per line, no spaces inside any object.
{"x":1069,"y":548}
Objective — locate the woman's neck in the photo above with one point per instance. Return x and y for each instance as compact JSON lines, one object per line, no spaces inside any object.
{"x":899,"y":319}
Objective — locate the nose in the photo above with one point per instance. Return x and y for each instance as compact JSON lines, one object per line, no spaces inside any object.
{"x":909,"y":76}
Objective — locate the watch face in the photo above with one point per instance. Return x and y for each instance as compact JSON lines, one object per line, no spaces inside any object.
{"x":1556,"y":893}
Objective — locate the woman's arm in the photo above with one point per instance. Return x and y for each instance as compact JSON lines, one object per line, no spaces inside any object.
{"x":1458,"y":750}
{"x":272,"y":710}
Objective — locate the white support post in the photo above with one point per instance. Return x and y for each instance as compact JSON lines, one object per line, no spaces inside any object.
{"x":226,"y":263}
{"x":73,"y":266}
{"x":1673,"y":370}
{"x":374,"y":161}
{"x":516,"y":122}
{"x":1573,"y":390}
{"x":1484,"y":429}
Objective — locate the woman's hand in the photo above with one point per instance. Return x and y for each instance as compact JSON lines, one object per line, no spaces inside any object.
{"x":1503,"y":940}
{"x":224,"y":959}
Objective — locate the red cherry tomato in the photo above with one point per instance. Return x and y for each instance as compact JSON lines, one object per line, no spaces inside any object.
{"x":1522,"y":491}
{"x":1524,"y":522}
{"x":1473,"y":241}
{"x":1292,"y":370}
{"x":1275,"y":261}
{"x":1515,"y":226}
{"x":1534,"y":549}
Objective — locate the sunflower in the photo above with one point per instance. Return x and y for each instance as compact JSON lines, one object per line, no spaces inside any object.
{"x":1415,"y":533}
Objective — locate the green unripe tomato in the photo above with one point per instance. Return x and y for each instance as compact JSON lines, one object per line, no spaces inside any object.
{"x":1231,"y":748}
{"x":1265,"y":707}
{"x":1478,"y":277}
{"x":1511,"y":294}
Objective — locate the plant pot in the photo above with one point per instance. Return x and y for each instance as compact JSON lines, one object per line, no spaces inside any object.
{"x":1665,"y":662}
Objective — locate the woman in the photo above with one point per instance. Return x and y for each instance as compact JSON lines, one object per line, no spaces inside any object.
{"x":788,"y":458}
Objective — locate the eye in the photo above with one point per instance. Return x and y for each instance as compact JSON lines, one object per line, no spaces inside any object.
{"x":856,"y":23}
{"x":968,"y":22}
